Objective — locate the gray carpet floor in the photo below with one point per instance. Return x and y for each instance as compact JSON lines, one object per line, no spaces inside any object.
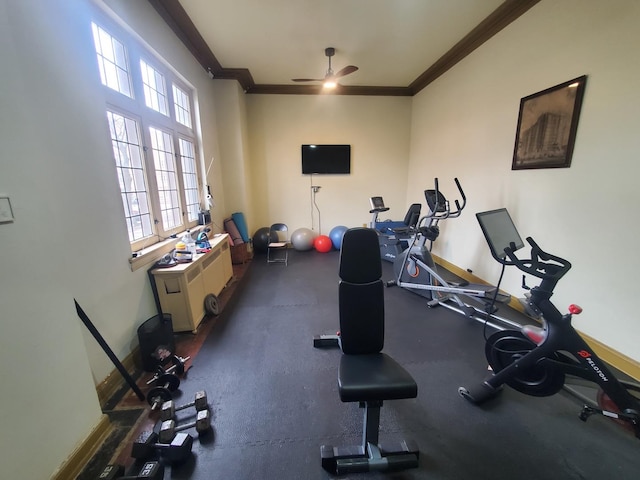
{"x":274,"y":397}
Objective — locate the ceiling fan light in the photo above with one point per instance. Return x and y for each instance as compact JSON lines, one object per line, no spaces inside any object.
{"x":329,"y":84}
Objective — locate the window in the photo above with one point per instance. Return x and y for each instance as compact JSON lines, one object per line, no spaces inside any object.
{"x":166,"y":178}
{"x":189,"y":178}
{"x":182,"y":107}
{"x":155,"y":95}
{"x":149,"y":111}
{"x":112,"y":61}
{"x":127,"y":151}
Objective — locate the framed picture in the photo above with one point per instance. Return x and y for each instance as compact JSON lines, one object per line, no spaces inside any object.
{"x":547,"y":125}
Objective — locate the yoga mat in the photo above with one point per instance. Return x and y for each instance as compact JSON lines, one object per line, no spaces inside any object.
{"x":231,"y":228}
{"x":238,"y":218}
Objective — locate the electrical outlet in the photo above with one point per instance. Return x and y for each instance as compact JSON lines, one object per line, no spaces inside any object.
{"x":6,"y":215}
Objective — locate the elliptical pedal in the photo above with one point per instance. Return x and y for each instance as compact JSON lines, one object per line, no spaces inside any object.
{"x":500,"y":297}
{"x":461,"y":283}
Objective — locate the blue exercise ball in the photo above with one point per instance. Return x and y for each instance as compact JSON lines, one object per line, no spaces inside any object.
{"x":336,"y":235}
{"x":261,"y":240}
{"x":302,"y":239}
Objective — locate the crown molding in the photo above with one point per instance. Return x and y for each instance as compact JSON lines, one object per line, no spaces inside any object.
{"x":177,"y":19}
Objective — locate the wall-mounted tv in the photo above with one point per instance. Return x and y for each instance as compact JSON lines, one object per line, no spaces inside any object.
{"x":326,"y":159}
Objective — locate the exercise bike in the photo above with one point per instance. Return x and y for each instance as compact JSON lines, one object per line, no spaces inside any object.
{"x":536,"y":360}
{"x":393,"y":236}
{"x":416,"y":271}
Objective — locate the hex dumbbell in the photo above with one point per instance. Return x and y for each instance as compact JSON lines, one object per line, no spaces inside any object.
{"x":169,"y":428}
{"x":150,"y":470}
{"x":169,"y":409}
{"x":176,"y":450}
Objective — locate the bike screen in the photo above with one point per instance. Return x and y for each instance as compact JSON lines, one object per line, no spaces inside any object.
{"x":500,"y":232}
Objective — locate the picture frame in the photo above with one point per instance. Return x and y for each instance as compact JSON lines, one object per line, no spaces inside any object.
{"x":547,"y":126}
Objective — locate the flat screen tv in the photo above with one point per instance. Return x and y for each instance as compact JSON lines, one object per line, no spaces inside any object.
{"x":326,"y":159}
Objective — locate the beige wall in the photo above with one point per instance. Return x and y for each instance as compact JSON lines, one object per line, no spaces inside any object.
{"x":42,"y":351}
{"x":464,"y":125}
{"x":232,"y":181}
{"x":377,"y":128}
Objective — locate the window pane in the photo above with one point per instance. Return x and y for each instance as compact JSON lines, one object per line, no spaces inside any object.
{"x":182,"y":106}
{"x":188,"y":163}
{"x":112,"y":61}
{"x":164,"y":161}
{"x":144,"y":203}
{"x":155,"y":93}
{"x":127,"y":152}
{"x":139,"y":182}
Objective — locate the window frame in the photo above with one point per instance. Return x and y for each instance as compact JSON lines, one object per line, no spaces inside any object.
{"x":135,"y":108}
{"x":115,"y":110}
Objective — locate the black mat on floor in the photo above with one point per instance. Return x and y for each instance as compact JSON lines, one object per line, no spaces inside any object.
{"x":122,"y":421}
{"x":274,"y":397}
{"x":112,"y":403}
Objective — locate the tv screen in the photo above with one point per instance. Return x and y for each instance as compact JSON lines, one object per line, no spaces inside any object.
{"x":326,"y":159}
{"x":500,"y":232}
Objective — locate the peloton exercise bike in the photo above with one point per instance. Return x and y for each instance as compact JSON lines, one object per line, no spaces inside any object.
{"x":416,"y":271}
{"x":536,"y":360}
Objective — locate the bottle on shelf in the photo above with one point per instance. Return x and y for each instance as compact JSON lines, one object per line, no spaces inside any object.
{"x":189,"y":242}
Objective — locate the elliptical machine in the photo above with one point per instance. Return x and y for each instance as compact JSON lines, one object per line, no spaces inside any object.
{"x":536,"y":360}
{"x":416,"y":271}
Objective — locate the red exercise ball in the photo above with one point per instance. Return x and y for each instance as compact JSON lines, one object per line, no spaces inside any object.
{"x":322,"y":244}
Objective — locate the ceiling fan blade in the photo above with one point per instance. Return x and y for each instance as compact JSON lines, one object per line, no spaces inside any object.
{"x":345,"y":71}
{"x":307,"y":79}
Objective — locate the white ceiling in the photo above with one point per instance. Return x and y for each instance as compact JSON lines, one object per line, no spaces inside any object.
{"x":391,"y":41}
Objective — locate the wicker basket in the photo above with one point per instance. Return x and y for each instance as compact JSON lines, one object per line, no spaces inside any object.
{"x":240,"y":253}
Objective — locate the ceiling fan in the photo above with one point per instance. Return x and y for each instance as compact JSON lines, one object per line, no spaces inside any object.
{"x":330,"y":78}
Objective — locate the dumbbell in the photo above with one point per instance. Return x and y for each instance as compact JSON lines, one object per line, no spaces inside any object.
{"x":169,"y":428}
{"x":169,"y":409}
{"x":178,"y":364}
{"x":150,"y":470}
{"x":177,"y":368}
{"x":177,"y":450}
{"x":166,"y":383}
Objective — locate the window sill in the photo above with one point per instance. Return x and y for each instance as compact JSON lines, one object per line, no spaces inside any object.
{"x":149,"y":255}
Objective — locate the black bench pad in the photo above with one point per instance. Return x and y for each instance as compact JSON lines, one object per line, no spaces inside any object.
{"x":370,"y":377}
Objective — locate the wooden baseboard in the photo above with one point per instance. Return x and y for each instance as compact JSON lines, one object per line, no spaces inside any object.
{"x":614,"y":358}
{"x":73,"y":465}
{"x":79,"y":458}
{"x":114,"y":381}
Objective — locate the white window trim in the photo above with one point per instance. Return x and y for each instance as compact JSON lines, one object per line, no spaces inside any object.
{"x":148,"y":250}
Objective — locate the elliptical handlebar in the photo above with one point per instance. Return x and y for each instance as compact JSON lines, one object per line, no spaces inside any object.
{"x":541,"y":264}
{"x":441,"y":208}
{"x":464,"y":198}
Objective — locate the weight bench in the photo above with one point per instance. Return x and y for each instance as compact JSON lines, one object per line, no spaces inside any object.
{"x":366,"y":375}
